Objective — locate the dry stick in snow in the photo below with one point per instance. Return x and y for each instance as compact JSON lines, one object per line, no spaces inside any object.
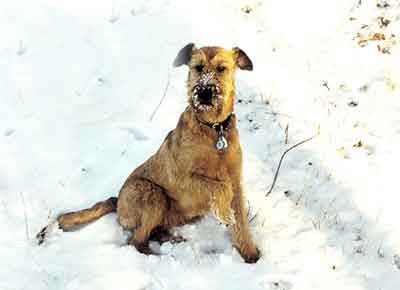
{"x":286,"y":133}
{"x":283,"y":155}
{"x":26,"y":217}
{"x":254,"y":217}
{"x":248,"y":209}
{"x":248,"y":213}
{"x":162,"y":99}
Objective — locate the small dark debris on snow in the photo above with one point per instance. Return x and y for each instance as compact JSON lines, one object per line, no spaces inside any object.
{"x":264,"y":99}
{"x":383,"y":22}
{"x":83,"y":169}
{"x":9,"y":132}
{"x":359,"y":144}
{"x":250,"y":117}
{"x":382,"y":4}
{"x":21,"y":49}
{"x":281,"y":285}
{"x":113,"y":19}
{"x":288,"y":193}
{"x":359,"y":250}
{"x":41,"y":236}
{"x":352,"y":103}
{"x":396,"y":261}
{"x":333,"y":267}
{"x":358,"y":238}
{"x":364,"y":88}
{"x":325,"y":84}
{"x":380,"y":253}
{"x":254,"y":127}
{"x":333,"y":104}
{"x":247,"y":9}
{"x":309,"y":163}
{"x":384,"y":50}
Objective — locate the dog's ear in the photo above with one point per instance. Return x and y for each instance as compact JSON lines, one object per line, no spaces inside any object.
{"x":241,"y":59}
{"x":184,"y":55}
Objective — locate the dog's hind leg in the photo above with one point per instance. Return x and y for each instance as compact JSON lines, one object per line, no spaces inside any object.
{"x":142,"y":206}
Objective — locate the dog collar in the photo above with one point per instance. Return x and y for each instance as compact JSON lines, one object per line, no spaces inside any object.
{"x":221,"y":143}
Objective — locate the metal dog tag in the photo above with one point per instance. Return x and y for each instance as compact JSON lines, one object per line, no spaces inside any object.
{"x":222,"y":143}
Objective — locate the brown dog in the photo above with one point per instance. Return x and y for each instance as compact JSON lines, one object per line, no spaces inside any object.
{"x":196,"y":169}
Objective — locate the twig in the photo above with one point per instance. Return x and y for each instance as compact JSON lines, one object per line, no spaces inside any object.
{"x":356,"y":4}
{"x":278,"y":114}
{"x":287,"y":134}
{"x":3,"y":202}
{"x":283,"y":155}
{"x":162,"y":99}
{"x":248,"y":209}
{"x":21,"y":48}
{"x":248,"y":213}
{"x":26,"y":217}
{"x":113,"y":17}
{"x":254,"y":217}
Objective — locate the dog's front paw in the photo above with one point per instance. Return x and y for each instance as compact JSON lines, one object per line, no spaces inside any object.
{"x":251,"y":257}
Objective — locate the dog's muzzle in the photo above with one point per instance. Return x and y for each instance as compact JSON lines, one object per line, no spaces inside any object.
{"x":205,"y":94}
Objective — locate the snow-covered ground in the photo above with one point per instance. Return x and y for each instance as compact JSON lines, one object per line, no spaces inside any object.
{"x":79,"y":81}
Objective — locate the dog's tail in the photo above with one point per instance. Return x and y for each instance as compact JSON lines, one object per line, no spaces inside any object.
{"x":70,"y":220}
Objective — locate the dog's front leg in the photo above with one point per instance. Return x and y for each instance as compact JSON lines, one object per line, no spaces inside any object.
{"x":221,"y":201}
{"x":242,"y":239}
{"x":219,"y":197}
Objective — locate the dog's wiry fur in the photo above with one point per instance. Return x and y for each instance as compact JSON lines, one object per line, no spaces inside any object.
{"x":188,"y":177}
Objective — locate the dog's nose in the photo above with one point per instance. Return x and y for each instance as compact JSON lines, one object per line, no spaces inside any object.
{"x":205,"y":94}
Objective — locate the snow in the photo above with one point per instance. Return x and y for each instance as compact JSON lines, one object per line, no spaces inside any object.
{"x":80,"y":80}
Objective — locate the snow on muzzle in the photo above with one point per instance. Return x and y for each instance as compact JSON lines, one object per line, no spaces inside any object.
{"x":206,"y":92}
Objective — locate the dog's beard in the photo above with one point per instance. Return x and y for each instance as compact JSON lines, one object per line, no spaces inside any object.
{"x":211,"y":105}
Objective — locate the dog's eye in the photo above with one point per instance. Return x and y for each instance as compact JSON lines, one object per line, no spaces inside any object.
{"x":221,"y":69}
{"x":199,"y":67}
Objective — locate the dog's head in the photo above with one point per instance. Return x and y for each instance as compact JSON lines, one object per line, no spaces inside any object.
{"x":211,"y":79}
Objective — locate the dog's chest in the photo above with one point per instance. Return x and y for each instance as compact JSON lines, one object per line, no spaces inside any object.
{"x":209,"y":173}
{"x":208,"y":160}
{"x":212,"y":164}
